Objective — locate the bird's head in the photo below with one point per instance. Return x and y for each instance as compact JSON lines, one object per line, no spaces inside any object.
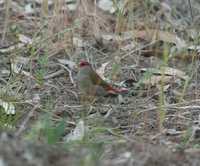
{"x":84,"y":63}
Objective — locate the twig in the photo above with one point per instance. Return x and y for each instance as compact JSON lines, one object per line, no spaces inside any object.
{"x":171,"y":107}
{"x":73,"y":106}
{"x":52,"y":75}
{"x":8,"y":4}
{"x":74,"y":93}
{"x":69,"y":71}
{"x":191,"y":12}
{"x":108,"y":113}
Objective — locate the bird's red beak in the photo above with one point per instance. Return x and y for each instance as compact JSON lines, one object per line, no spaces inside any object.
{"x":84,"y":63}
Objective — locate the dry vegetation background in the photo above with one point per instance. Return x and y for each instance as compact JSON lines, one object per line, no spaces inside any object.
{"x":151,"y":47}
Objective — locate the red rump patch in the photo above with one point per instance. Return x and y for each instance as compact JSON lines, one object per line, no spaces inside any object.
{"x":112,"y":90}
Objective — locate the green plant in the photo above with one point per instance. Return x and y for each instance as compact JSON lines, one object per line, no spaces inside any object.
{"x":186,"y":137}
{"x":47,"y":130}
{"x":162,"y":111}
{"x":7,"y":122}
{"x":42,"y":69}
{"x":9,"y":114}
{"x":53,"y":132}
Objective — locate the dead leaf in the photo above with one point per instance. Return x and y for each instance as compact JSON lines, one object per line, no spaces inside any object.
{"x":8,"y":107}
{"x":17,"y":63}
{"x":11,"y":48}
{"x":168,"y":71}
{"x":101,"y":70}
{"x":72,"y":5}
{"x":194,"y":48}
{"x":77,"y":134}
{"x":50,"y":2}
{"x":78,"y":42}
{"x":175,"y":72}
{"x":157,"y":79}
{"x":29,"y":9}
{"x":25,"y":39}
{"x":157,"y":35}
{"x":72,"y":65}
{"x":106,"y":5}
{"x":173,"y":132}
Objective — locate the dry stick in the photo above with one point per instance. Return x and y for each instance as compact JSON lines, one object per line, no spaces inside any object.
{"x":98,"y":51}
{"x":55,"y":74}
{"x":69,"y":71}
{"x":23,"y":125}
{"x":73,"y":106}
{"x":6,"y":20}
{"x":191,"y":12}
{"x":73,"y":92}
{"x":171,"y":107}
{"x":3,"y":80}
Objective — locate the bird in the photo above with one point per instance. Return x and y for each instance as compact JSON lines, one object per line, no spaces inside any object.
{"x":90,"y":83}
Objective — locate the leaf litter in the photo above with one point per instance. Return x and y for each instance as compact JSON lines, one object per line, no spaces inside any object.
{"x":132,"y":128}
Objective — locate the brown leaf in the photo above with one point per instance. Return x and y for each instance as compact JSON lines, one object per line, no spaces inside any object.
{"x":158,"y":35}
{"x":169,"y":71}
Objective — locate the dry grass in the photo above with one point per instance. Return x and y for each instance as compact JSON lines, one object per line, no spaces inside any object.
{"x":47,"y":100}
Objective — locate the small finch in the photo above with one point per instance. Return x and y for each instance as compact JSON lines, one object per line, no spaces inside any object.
{"x":90,"y":83}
